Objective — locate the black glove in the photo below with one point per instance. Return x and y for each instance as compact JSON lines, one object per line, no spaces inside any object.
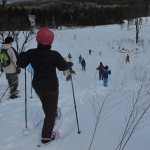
{"x":109,"y":70}
{"x":18,"y":70}
{"x":71,"y":64}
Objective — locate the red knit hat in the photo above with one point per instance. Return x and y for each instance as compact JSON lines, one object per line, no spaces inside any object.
{"x":45,"y":36}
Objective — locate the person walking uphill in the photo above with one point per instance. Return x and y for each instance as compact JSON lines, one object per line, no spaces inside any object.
{"x":45,"y":82}
{"x":101,"y":67}
{"x":105,"y":75}
{"x":9,"y":67}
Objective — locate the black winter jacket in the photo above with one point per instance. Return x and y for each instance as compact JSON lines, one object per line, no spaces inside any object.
{"x":44,"y":62}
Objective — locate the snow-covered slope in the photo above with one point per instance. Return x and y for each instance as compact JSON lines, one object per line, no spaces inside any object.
{"x":124,"y":83}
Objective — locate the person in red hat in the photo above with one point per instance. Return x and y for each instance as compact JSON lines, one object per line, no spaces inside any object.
{"x":45,"y":82}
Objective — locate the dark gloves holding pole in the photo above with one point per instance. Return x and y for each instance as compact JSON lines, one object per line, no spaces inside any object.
{"x":18,"y":70}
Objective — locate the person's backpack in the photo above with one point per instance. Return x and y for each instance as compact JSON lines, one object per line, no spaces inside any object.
{"x":4,"y":58}
{"x":127,"y":57}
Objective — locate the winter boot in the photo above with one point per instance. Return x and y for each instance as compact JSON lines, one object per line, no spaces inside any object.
{"x":14,"y":96}
{"x":106,"y":84}
{"x":55,"y":135}
{"x":103,"y":82}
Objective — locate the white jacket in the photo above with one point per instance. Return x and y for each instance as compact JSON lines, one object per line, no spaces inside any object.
{"x":12,"y":67}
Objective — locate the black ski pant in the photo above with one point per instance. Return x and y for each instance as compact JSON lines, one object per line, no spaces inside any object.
{"x":12,"y":82}
{"x":100,"y":76}
{"x":83,"y":68}
{"x":49,"y":103}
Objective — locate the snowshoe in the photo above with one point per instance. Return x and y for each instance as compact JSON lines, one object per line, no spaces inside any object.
{"x":13,"y":96}
{"x":58,"y":115}
{"x":45,"y":141}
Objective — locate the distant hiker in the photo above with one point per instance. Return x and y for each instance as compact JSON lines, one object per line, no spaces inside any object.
{"x":80,"y":58}
{"x":8,"y":60}
{"x":127,"y":58}
{"x":101,"y":67}
{"x":67,"y":72}
{"x":83,"y":63}
{"x":90,"y":51}
{"x":45,"y":82}
{"x":69,"y":56}
{"x":99,"y":53}
{"x":105,"y":75}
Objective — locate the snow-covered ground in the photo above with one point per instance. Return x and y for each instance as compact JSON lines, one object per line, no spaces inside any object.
{"x":124,"y":85}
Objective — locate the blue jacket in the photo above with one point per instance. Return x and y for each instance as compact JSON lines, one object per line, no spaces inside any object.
{"x":80,"y":57}
{"x":105,"y":73}
{"x":69,"y":56}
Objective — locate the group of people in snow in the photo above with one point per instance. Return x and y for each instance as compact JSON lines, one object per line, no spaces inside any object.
{"x":103,"y":74}
{"x":44,"y":62}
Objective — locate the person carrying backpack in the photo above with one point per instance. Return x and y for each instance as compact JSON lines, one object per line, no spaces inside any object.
{"x":105,"y":75}
{"x":80,"y":58}
{"x":101,"y":67}
{"x":83,"y":63}
{"x":127,"y":58}
{"x":44,"y":62}
{"x":8,"y":61}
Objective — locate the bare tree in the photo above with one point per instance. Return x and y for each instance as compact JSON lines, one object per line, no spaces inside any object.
{"x":102,"y":106}
{"x":21,"y":33}
{"x":137,"y":109}
{"x":4,"y":3}
{"x":137,"y":30}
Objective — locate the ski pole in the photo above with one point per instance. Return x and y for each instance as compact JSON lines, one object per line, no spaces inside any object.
{"x":31,"y":85}
{"x":75,"y":106}
{"x":26,"y":130}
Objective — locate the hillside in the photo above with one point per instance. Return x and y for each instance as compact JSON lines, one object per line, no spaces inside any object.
{"x":126,"y":84}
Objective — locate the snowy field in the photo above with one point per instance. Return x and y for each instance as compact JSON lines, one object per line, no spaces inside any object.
{"x":126,"y":84}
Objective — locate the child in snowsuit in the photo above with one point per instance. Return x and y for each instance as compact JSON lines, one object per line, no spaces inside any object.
{"x":127,"y":58}
{"x":101,"y":67}
{"x":105,"y":75}
{"x":80,"y":59}
{"x":83,"y":63}
{"x":99,"y":53}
